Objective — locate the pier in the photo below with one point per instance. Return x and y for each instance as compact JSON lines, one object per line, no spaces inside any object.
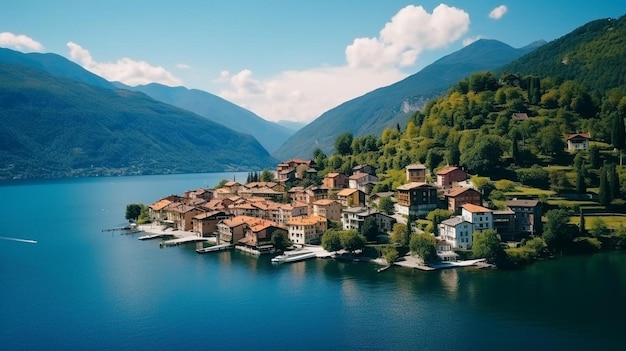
{"x":214,"y":248}
{"x":182,"y":240}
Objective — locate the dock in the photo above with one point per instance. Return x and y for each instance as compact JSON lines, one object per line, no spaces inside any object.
{"x":214,"y":248}
{"x":182,"y":240}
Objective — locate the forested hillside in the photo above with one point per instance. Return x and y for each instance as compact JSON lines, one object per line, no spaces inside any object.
{"x":54,"y":127}
{"x":593,"y":55}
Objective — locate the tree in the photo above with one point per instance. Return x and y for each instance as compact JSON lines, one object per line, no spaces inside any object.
{"x":398,"y":233}
{"x":423,"y":245}
{"x":581,"y":224}
{"x":618,"y":133}
{"x":343,"y":144}
{"x":390,"y":254}
{"x":331,"y":240}
{"x":267,"y":176}
{"x":487,"y":244}
{"x":280,"y":240}
{"x":604,"y":193}
{"x":613,"y":180}
{"x":594,"y":157}
{"x":557,"y":232}
{"x":581,"y":186}
{"x":437,"y":216}
{"x":133,"y":211}
{"x":369,"y":228}
{"x":386,"y":205}
{"x":599,"y":228}
{"x":484,"y":155}
{"x":351,"y":240}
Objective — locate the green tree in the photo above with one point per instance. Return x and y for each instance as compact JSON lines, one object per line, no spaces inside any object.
{"x":484,"y":155}
{"x":369,"y":228}
{"x":351,"y":240}
{"x":398,"y":233}
{"x":267,"y":176}
{"x":618,"y":133}
{"x":386,"y":205}
{"x":599,"y":228}
{"x":423,"y":245}
{"x":581,"y":186}
{"x":487,"y":244}
{"x":581,"y":225}
{"x":133,"y":211}
{"x":221,"y":183}
{"x":557,"y":232}
{"x":437,"y":216}
{"x":390,"y":254}
{"x":331,"y":240}
{"x":343,"y":144}
{"x":280,"y":240}
{"x":594,"y":157}
{"x":604,"y":192}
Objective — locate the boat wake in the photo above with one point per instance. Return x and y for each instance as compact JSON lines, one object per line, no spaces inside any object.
{"x":28,"y":241}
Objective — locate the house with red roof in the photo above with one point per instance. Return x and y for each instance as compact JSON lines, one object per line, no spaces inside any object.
{"x":578,"y":142}
{"x":446,"y":177}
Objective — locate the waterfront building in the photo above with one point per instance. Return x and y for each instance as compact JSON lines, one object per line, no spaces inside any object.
{"x":307,"y":230}
{"x":480,"y":217}
{"x":457,"y":232}
{"x":353,"y":218}
{"x":205,"y":224}
{"x":527,"y":216}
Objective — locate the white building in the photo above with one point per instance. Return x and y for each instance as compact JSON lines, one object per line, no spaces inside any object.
{"x":457,"y":232}
{"x":480,"y":217}
{"x":307,"y":230}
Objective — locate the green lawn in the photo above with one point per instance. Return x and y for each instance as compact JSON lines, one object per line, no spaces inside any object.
{"x":526,"y":191}
{"x":612,"y":222}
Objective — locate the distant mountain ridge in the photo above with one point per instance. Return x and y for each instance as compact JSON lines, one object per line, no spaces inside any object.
{"x":58,"y":127}
{"x":56,"y":65}
{"x":216,"y":109}
{"x":384,"y":107}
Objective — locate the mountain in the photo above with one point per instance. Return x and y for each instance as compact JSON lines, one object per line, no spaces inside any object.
{"x":384,"y":107}
{"x":593,"y":54}
{"x":57,"y":127}
{"x":292,"y":125}
{"x":216,"y":109}
{"x":56,"y":65}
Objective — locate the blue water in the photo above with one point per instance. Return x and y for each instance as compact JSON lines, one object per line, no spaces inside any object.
{"x":80,"y":288}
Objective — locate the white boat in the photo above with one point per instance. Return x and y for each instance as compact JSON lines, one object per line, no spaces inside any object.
{"x":293,"y":256}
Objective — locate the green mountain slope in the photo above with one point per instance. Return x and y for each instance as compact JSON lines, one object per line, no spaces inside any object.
{"x":216,"y":109}
{"x":384,"y":107}
{"x":55,"y":127}
{"x":593,"y":54}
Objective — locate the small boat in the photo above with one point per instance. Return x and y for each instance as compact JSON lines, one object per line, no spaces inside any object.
{"x":293,"y":256}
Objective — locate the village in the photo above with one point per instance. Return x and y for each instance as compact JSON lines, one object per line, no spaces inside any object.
{"x":246,"y":216}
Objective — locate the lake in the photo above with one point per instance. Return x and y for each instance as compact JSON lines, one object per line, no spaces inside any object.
{"x":82,"y":288}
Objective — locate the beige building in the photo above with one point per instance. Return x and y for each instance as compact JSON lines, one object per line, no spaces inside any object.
{"x":307,"y":230}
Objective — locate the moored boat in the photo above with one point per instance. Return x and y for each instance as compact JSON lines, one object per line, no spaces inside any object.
{"x":293,"y":256}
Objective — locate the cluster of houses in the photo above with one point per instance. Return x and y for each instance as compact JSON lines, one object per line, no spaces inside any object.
{"x":247,"y":215}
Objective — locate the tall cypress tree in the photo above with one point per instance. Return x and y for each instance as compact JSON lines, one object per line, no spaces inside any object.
{"x":604,"y":194}
{"x":581,"y":226}
{"x":618,"y":133}
{"x":613,"y":179}
{"x":581,"y":187}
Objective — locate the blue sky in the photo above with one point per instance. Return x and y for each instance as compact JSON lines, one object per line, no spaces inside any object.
{"x":284,"y":60}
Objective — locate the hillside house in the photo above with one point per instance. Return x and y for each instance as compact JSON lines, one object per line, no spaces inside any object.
{"x":364,"y":168}
{"x":362,"y":181}
{"x":329,"y":209}
{"x":459,"y":196}
{"x":335,"y":181}
{"x":416,"y":173}
{"x":446,"y":177}
{"x":351,"y":197}
{"x":578,"y":142}
{"x":416,"y":198}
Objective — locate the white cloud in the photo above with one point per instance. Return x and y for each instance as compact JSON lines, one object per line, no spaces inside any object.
{"x":183,"y":66}
{"x":470,"y":40}
{"x":410,"y":32}
{"x":125,"y":70}
{"x":370,"y":64}
{"x":498,"y":12}
{"x":303,"y":95}
{"x":19,"y":42}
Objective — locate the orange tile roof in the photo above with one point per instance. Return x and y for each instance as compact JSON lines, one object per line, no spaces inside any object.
{"x":457,"y":191}
{"x":347,"y":192}
{"x":447,"y":170}
{"x":475,"y":208}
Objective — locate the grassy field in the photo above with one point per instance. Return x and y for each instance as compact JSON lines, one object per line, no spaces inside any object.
{"x":612,"y":222}
{"x":525,"y":191}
